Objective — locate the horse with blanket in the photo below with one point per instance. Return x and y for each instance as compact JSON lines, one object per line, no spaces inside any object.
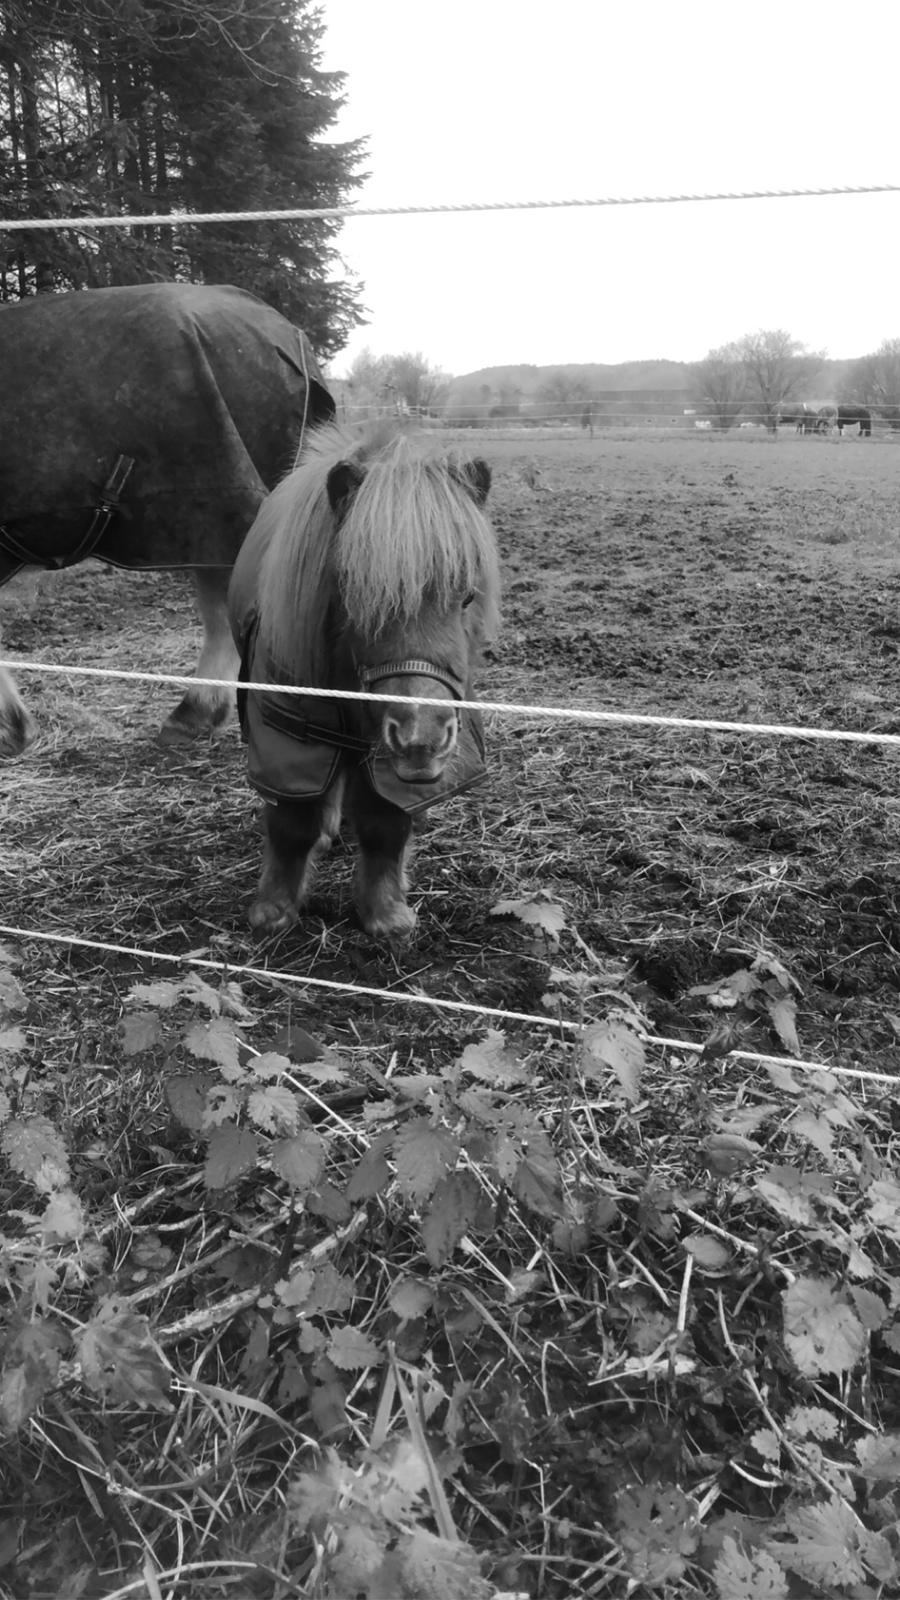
{"x":144,"y":426}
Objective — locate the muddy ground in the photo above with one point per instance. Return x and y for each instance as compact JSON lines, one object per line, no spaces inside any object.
{"x":685,"y":575}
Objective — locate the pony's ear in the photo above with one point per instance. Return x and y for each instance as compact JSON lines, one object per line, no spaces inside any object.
{"x":475,"y":475}
{"x":342,"y":483}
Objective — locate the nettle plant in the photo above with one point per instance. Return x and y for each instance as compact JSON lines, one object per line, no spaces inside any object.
{"x":384,"y":1215}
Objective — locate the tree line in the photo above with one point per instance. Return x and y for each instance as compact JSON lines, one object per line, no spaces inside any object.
{"x":117,"y":107}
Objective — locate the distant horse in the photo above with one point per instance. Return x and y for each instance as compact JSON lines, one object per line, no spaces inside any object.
{"x":372,"y":566}
{"x":826,"y":417}
{"x":803,"y":418}
{"x":143,"y":426}
{"x":854,"y":416}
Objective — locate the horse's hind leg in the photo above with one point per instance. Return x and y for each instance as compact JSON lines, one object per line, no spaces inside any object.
{"x":201,"y":710}
{"x":298,"y":833}
{"x":382,"y":832}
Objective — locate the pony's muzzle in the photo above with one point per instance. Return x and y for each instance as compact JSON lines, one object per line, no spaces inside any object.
{"x":420,"y":740}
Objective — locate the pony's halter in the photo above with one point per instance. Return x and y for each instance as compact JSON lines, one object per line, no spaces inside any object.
{"x":413,"y":669}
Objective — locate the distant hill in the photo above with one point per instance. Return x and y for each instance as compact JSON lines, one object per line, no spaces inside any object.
{"x":638,"y":387}
{"x":624,"y":376}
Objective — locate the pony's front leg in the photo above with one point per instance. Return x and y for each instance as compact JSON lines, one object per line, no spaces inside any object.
{"x":203,"y":709}
{"x":382,"y":832}
{"x":298,"y":833}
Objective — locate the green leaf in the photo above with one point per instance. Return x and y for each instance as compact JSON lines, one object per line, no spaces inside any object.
{"x":187,"y":1095}
{"x":299,"y":1160}
{"x":326,"y":1201}
{"x":879,"y":1457}
{"x":707,"y":1251}
{"x":811,"y":1422}
{"x":12,"y":995}
{"x":295,"y":1290}
{"x":164,"y":994}
{"x":267,"y":1066}
{"x":453,"y":1207}
{"x":30,"y":1368}
{"x":827,"y":1544}
{"x":297,"y":1043}
{"x":492,"y":1062}
{"x":614,"y":1044}
{"x":34,"y":1149}
{"x":748,"y":1575}
{"x":232,"y":1152}
{"x":537,"y":1187}
{"x":726,"y":1153}
{"x":274,"y":1108}
{"x":546,"y":916}
{"x":410,"y":1298}
{"x":870,"y":1308}
{"x":360,"y":1554}
{"x":822,"y":1332}
{"x":658,"y":1530}
{"x":442,"y":1569}
{"x":350,"y":1350}
{"x":783,"y":1013}
{"x":216,"y":1041}
{"x":331,"y":1291}
{"x":119,"y":1359}
{"x":141,"y":1030}
{"x":423,"y":1154}
{"x":63,"y":1216}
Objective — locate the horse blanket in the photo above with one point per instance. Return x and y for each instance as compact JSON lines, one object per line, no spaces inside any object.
{"x":296,"y":744}
{"x":179,"y":405}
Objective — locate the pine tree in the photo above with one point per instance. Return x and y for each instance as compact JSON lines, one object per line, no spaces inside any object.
{"x":123,"y":106}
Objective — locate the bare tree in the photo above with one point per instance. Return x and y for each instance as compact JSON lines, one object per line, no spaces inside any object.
{"x":874,"y":381}
{"x":405,"y":382}
{"x":778,"y":369}
{"x":420,"y":386}
{"x":719,"y":385}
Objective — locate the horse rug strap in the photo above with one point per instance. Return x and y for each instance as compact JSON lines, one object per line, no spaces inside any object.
{"x":104,"y":511}
{"x":297,"y":745}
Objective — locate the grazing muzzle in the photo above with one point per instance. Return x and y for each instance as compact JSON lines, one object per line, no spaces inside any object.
{"x":417,"y":739}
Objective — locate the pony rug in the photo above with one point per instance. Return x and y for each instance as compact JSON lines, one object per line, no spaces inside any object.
{"x":199,"y":393}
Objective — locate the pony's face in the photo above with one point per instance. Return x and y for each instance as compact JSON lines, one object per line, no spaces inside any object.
{"x":429,"y":659}
{"x":426,"y":653}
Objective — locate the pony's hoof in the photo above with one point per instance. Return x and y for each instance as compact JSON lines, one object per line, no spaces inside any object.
{"x":172,"y":736}
{"x":395,"y":926}
{"x":268,"y":916}
{"x":188,"y":723}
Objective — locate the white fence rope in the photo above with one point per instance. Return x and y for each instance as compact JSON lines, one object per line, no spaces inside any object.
{"x":231,"y":969}
{"x":346,"y":213}
{"x":508,"y":707}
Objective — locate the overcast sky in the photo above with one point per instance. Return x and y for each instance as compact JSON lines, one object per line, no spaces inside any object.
{"x":475,"y":100}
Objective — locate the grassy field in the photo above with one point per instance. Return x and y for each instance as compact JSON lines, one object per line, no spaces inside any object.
{"x":612,"y":1316}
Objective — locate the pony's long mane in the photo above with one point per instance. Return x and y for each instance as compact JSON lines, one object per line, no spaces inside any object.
{"x":412,"y":535}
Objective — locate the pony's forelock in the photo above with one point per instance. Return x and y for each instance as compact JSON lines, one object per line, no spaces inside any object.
{"x":411,"y":534}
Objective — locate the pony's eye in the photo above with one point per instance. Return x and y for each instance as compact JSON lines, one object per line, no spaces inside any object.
{"x":467,"y":599}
